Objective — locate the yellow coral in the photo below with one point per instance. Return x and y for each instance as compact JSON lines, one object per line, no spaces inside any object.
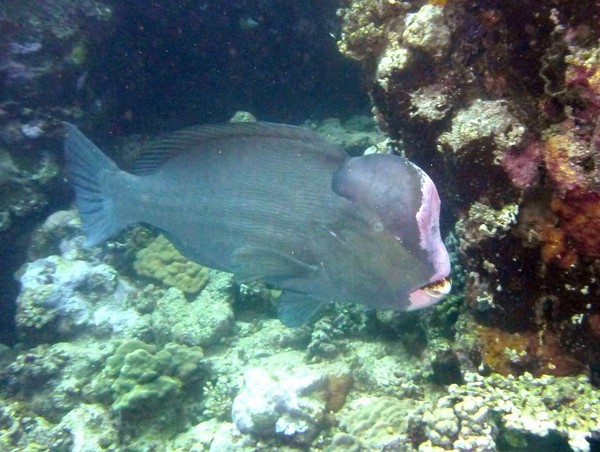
{"x":561,"y":152}
{"x":161,"y":261}
{"x":500,"y":349}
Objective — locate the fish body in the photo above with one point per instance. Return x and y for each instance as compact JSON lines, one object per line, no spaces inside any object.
{"x":279,"y":204}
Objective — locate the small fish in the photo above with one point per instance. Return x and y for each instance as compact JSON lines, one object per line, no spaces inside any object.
{"x":278,"y":204}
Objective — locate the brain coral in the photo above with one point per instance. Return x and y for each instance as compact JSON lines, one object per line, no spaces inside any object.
{"x":378,"y":423}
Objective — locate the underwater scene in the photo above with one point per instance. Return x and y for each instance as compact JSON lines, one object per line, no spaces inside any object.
{"x":311,"y":225}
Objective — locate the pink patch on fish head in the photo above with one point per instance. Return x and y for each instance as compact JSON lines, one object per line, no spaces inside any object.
{"x":428,"y":220}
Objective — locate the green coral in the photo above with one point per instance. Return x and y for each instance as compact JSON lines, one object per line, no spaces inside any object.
{"x":139,"y":376}
{"x":161,"y":261}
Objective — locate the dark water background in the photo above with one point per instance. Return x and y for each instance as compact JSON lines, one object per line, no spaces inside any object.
{"x":189,"y":62}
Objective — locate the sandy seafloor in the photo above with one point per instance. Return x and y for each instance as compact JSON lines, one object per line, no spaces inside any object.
{"x":128,"y":346}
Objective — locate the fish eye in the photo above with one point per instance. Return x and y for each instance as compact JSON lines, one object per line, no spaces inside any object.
{"x":378,"y":226}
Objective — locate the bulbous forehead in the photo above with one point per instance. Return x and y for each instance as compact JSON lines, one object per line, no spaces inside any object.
{"x":387,"y":186}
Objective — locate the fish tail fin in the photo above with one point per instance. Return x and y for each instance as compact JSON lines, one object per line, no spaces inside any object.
{"x":89,"y":171}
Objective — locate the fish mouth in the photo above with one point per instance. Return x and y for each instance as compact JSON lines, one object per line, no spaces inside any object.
{"x":438,"y":289}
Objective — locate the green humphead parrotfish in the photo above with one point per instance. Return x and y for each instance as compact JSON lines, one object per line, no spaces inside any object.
{"x":278,"y":204}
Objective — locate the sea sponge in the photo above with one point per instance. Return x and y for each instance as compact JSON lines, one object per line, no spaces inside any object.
{"x":161,"y":261}
{"x":338,"y":387}
{"x":521,"y":165}
{"x":555,"y":248}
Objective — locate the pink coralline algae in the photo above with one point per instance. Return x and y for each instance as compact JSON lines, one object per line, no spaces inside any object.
{"x":522,"y":166}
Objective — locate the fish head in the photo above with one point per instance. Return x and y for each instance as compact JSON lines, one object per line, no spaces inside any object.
{"x":400,"y":199}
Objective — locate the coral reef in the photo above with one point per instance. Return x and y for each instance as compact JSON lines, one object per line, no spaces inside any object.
{"x":502,"y":106}
{"x":91,"y":428}
{"x":60,"y":298}
{"x":43,"y":79}
{"x":479,"y":122}
{"x":250,"y":386}
{"x":21,"y":430}
{"x":139,"y":378}
{"x":498,"y":101}
{"x":376,"y":423}
{"x":354,"y":135}
{"x":50,"y":380}
{"x":200,"y":322}
{"x":485,"y":414}
{"x":287,"y":403}
{"x":42,"y":52}
{"x":161,"y":261}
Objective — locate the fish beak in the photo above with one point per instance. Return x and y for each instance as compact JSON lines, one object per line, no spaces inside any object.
{"x":439,"y":288}
{"x":429,"y":294}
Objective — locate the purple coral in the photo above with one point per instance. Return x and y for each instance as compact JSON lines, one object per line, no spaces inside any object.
{"x":522,"y":165}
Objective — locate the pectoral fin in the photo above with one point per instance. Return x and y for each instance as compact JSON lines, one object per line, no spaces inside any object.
{"x":253,"y":263}
{"x":295,"y":309}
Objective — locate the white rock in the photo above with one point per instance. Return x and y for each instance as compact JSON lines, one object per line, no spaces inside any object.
{"x":288,"y":403}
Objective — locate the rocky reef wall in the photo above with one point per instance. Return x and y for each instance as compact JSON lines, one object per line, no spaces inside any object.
{"x":500,"y":102}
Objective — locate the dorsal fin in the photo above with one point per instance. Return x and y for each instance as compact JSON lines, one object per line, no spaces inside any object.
{"x":196,"y":137}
